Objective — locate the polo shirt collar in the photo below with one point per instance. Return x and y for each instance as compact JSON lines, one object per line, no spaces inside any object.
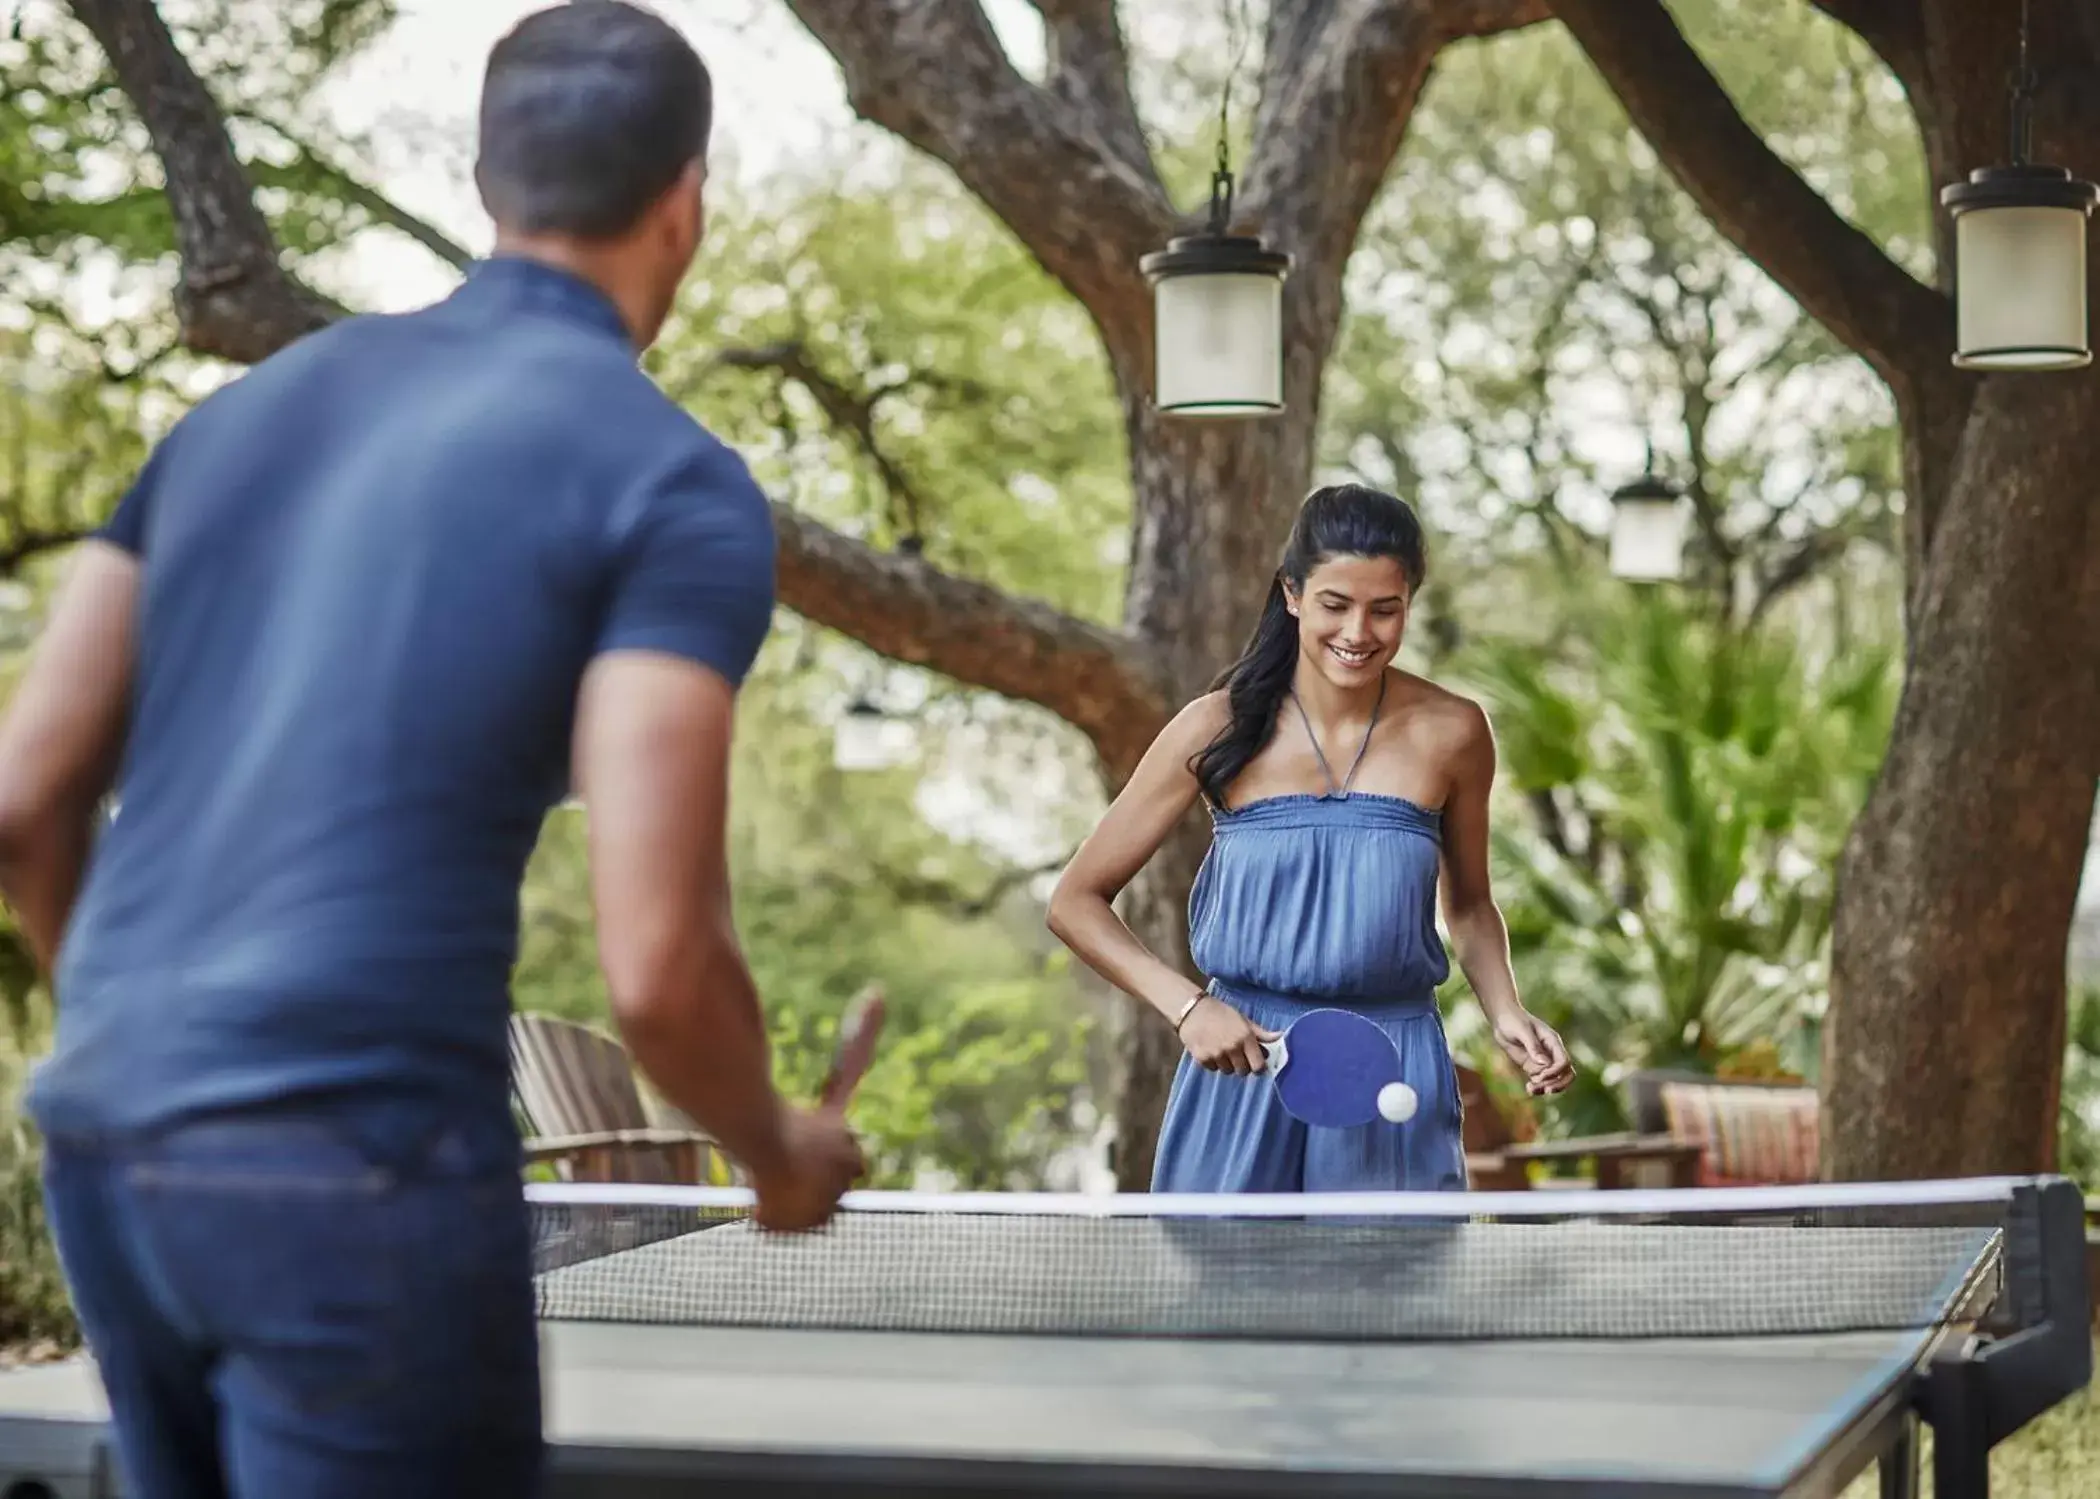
{"x":515,"y":283}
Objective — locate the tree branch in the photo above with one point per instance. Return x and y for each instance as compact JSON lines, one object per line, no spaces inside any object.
{"x":1099,"y":680}
{"x":1339,"y":85}
{"x":942,"y":895}
{"x":1830,"y":267}
{"x":1090,"y":75}
{"x":377,"y":205}
{"x":234,"y":299}
{"x":849,"y":411}
{"x":932,"y":72}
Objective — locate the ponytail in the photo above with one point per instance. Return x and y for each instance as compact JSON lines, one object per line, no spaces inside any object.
{"x":1255,"y":686}
{"x":1341,"y":520}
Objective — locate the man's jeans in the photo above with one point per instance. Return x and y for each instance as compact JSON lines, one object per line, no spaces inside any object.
{"x":281,"y":1312}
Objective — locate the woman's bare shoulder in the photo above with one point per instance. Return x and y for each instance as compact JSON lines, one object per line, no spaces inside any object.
{"x":1454,"y":720}
{"x":1199,"y":722}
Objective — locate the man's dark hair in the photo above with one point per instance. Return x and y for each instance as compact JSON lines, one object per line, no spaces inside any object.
{"x":589,"y":111}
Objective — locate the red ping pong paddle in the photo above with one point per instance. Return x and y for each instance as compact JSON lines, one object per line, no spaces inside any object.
{"x":855,"y":1052}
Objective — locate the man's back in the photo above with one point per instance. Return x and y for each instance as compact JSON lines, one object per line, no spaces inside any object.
{"x":374,"y":572}
{"x":365,"y":615}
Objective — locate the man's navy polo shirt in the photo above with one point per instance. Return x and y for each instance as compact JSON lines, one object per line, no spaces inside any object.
{"x":374,"y":570}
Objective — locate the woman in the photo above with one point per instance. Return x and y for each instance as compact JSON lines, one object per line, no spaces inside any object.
{"x":1320,"y":889}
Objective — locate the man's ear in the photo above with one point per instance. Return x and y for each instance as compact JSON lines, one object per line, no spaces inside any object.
{"x":685,"y":209}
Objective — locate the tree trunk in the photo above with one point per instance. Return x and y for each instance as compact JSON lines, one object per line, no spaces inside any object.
{"x":1945,"y":1040}
{"x":1214,"y":504}
{"x":1943,"y":1049}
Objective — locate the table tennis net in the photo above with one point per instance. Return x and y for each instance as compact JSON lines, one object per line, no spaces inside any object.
{"x":1066,"y":1270}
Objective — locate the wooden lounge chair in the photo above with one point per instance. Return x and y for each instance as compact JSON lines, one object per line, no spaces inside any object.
{"x":583,"y":1114}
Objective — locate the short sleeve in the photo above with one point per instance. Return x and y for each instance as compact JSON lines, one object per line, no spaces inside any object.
{"x":126,"y":526}
{"x":694,"y":568}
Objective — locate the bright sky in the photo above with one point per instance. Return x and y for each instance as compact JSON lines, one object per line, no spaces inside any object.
{"x":778,"y":97}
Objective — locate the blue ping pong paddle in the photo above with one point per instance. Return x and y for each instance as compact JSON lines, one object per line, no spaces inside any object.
{"x":1337,"y":1070}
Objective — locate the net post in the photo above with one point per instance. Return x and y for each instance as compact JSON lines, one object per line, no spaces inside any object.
{"x":2049,"y":1354}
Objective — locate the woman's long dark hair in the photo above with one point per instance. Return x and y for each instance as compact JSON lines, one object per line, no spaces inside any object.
{"x":1341,"y":520}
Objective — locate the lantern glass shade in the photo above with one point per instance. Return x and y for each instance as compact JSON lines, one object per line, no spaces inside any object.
{"x":1218,"y":318}
{"x":1647,"y":532}
{"x":867,"y":740}
{"x":2020,"y":270}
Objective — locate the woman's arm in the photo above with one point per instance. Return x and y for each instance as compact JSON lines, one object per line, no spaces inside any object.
{"x":1082,"y":910}
{"x":1479,"y":937}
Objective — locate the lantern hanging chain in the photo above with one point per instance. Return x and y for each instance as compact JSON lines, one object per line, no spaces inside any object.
{"x":2022,"y":98}
{"x":1236,"y":30}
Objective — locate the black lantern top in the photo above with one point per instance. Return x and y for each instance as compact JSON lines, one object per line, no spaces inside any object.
{"x":2021,"y":183}
{"x":1216,"y":251}
{"x":1649,"y":489}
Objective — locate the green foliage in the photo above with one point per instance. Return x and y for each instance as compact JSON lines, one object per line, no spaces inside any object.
{"x":34,"y":1307}
{"x":2078,"y":1133}
{"x":69,"y":444}
{"x":838,"y":883}
{"x":894,"y":364}
{"x":1535,"y":299}
{"x":1677,"y":795}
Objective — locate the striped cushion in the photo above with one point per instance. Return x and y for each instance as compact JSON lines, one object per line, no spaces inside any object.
{"x":1749,"y":1135}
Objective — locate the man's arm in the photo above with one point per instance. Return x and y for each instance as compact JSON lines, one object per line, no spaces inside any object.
{"x":652,"y":767}
{"x":688,"y":606}
{"x":61,"y":740}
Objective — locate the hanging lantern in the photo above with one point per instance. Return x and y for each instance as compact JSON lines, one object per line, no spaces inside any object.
{"x":1218,"y":319}
{"x":1647,"y":530}
{"x":1217,"y":304}
{"x":2020,"y":261}
{"x":867,"y":739}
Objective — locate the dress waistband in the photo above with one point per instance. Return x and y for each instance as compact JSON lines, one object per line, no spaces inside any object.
{"x":1376,"y":1005}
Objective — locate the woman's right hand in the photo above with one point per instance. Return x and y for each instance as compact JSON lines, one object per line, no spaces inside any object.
{"x":1221,"y":1039}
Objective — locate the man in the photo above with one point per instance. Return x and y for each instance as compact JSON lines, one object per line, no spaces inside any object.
{"x":366,"y":614}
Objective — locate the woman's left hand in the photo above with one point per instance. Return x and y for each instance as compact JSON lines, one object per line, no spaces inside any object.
{"x":1537,"y":1050}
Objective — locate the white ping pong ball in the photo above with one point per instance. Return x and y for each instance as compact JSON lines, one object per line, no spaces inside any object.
{"x":1396,"y":1101}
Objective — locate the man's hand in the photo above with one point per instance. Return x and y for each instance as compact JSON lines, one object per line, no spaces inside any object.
{"x":819,"y":1159}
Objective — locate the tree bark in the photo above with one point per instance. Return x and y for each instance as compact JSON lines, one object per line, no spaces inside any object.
{"x":234,"y":299}
{"x":1945,"y":1038}
{"x":1945,"y":1041}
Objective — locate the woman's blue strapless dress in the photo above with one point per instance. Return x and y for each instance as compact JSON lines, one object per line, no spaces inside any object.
{"x":1305,"y":902}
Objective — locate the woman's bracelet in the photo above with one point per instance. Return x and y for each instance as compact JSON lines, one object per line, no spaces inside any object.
{"x":1188,"y":1009}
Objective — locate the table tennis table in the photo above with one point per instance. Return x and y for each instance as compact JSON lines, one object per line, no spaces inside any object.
{"x":1707,"y":1343}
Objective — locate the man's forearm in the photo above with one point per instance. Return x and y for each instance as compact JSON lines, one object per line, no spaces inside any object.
{"x":41,"y":864}
{"x":704,"y":1047}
